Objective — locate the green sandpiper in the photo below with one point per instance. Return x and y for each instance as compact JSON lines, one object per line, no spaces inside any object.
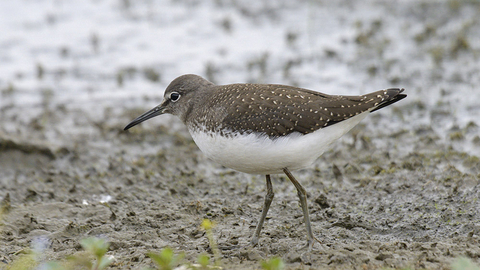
{"x":265,"y":128}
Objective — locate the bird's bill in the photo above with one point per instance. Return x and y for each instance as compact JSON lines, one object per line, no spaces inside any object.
{"x":150,"y":114}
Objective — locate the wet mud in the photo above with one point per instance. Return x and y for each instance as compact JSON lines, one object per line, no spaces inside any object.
{"x":372,"y":204}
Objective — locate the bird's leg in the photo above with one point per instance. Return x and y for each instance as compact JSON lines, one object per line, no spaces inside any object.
{"x":268,"y":201}
{"x":302,"y":195}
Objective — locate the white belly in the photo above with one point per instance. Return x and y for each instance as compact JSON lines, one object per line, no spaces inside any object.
{"x":258,"y":154}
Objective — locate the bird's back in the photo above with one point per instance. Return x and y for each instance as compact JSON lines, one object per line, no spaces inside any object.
{"x":279,"y":110}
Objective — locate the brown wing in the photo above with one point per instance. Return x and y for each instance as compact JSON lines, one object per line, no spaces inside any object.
{"x":278,"y":110}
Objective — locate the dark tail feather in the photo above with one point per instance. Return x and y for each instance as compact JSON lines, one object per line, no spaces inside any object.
{"x":393,"y":96}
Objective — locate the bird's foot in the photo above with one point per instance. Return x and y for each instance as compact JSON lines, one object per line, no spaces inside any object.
{"x":253,"y":242}
{"x":309,"y":246}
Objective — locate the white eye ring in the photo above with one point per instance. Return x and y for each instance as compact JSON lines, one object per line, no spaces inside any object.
{"x":174,"y":96}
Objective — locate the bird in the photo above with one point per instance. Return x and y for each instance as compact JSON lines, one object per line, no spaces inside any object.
{"x":265,"y":128}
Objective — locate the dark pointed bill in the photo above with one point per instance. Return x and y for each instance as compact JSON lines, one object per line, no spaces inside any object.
{"x":152,"y":113}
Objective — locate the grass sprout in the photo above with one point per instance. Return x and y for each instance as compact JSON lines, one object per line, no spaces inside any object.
{"x":166,"y":259}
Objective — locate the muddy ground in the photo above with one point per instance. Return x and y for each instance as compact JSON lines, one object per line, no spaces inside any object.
{"x":372,"y":202}
{"x":400,"y":190}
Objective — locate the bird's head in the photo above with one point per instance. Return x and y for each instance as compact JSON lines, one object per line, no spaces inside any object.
{"x":178,"y":98}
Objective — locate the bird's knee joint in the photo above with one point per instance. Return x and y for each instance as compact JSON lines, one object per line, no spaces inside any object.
{"x":302,"y":194}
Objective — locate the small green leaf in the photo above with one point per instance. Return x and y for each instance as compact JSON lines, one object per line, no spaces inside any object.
{"x":464,"y":264}
{"x":204,"y":260}
{"x":104,"y":262}
{"x":53,"y":266}
{"x":207,"y":224}
{"x":274,"y":263}
{"x":166,"y":259}
{"x":24,"y":262}
{"x":96,"y":246}
{"x":81,"y":259}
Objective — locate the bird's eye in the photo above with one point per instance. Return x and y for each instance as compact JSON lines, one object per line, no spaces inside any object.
{"x":174,"y":96}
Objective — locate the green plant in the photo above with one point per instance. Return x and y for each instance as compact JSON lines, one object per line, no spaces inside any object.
{"x":166,"y":259}
{"x":26,"y":261}
{"x":53,"y":266}
{"x":464,"y":264}
{"x":98,"y":247}
{"x":274,"y":263}
{"x":93,"y":246}
{"x":204,"y":261}
{"x":207,"y":225}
